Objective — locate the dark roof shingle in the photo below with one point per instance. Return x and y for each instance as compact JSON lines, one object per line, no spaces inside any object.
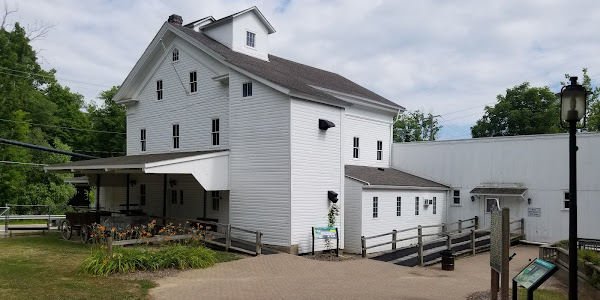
{"x":286,"y":73}
{"x":389,"y":176}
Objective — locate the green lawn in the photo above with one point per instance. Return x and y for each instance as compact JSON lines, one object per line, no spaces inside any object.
{"x":541,"y":294}
{"x":34,"y":267}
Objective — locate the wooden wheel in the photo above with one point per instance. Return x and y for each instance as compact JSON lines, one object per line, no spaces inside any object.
{"x":85,"y":233}
{"x":66,"y":229}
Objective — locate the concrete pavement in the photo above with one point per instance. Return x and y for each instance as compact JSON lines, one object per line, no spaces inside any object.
{"x":284,"y":276}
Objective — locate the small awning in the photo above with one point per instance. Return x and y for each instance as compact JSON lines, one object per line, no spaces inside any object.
{"x":516,"y":191}
{"x":210,"y":168}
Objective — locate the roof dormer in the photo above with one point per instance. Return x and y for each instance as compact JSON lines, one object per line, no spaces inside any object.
{"x":246,"y":32}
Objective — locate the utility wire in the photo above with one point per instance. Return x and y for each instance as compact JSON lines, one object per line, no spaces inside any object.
{"x":63,"y":127}
{"x":22,"y":163}
{"x":49,"y":76}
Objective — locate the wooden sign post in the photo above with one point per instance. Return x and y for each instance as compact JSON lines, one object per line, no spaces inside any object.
{"x":499,"y":249}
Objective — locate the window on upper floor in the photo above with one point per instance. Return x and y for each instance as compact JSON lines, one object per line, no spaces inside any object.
{"x":250,"y":38}
{"x":143,"y":139}
{"x":215,"y":195}
{"x":355,"y":148}
{"x":193,"y":82}
{"x":379,"y":150}
{"x":215,"y":132}
{"x":159,"y":90}
{"x":375,"y":207}
{"x":247,"y":89}
{"x":175,"y":136}
{"x":175,"y":55}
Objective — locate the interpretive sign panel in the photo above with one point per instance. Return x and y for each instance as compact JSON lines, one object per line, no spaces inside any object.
{"x":535,"y":273}
{"x":534,"y":212}
{"x":325,"y":232}
{"x":496,"y":240}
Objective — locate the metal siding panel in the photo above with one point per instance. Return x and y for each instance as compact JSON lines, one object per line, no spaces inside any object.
{"x":352,"y":215}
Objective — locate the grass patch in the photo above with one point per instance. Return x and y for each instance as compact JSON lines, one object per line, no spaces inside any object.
{"x":34,"y":267}
{"x":541,"y":294}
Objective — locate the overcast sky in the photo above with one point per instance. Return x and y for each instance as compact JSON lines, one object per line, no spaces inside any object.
{"x":444,"y":57}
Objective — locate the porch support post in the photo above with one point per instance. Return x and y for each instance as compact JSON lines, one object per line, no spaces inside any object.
{"x":127,"y":198}
{"x":164,"y":199}
{"x":98,"y":192}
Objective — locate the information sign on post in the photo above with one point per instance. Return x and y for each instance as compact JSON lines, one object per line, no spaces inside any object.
{"x":536,"y":273}
{"x":499,"y":247}
{"x":326,"y":233}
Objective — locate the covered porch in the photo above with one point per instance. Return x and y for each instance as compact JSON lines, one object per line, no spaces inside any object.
{"x":168,"y":186}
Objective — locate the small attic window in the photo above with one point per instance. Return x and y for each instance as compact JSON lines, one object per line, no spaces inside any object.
{"x":250,"y":38}
{"x":175,"y":54}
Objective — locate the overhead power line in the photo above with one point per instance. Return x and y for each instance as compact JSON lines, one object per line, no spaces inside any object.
{"x":62,"y":127}
{"x":48,"y":76}
{"x":22,"y":163}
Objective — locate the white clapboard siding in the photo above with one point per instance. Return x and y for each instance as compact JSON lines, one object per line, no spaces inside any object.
{"x":369,"y":131}
{"x":539,"y":162}
{"x":352,"y":215}
{"x":316,"y":169}
{"x":193,"y":112}
{"x":387,"y":220}
{"x":260,"y":160}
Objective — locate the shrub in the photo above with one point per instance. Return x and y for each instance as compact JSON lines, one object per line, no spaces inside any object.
{"x":126,"y":260}
{"x":587,"y":255}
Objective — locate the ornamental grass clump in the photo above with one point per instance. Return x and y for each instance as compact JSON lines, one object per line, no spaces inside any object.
{"x":125,"y":260}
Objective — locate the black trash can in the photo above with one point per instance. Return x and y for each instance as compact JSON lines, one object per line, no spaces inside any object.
{"x":448,"y":260}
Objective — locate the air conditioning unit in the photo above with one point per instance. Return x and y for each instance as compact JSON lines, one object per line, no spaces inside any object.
{"x":426,"y":202}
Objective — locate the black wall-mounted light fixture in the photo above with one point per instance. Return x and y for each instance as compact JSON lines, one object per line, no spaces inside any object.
{"x":325,"y":124}
{"x":332,"y":196}
{"x":528,"y":200}
{"x":132,"y":182}
{"x":172,"y":182}
{"x":473,"y":198}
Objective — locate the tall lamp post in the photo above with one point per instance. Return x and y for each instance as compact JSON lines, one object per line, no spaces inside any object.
{"x":572,"y":110}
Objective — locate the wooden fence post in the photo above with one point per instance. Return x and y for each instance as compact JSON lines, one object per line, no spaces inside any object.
{"x":460,"y":226}
{"x":109,"y":241}
{"x":420,"y":241}
{"x":449,"y":241}
{"x":363,"y":245}
{"x":394,"y":232}
{"x":473,"y":241}
{"x":228,"y":238}
{"x":258,"y":242}
{"x":444,"y":229}
{"x":476,"y":222}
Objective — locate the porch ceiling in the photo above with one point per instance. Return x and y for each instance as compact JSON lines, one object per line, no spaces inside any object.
{"x":210,"y":168}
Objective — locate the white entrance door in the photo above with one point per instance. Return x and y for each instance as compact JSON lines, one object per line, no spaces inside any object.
{"x":489,"y":203}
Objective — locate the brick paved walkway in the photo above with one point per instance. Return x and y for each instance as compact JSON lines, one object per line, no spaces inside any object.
{"x":283,"y":276}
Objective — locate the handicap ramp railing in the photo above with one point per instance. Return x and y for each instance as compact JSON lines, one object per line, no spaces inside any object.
{"x":462,"y":237}
{"x":15,"y":212}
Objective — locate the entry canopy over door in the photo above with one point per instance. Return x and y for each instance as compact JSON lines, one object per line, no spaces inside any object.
{"x":504,"y":190}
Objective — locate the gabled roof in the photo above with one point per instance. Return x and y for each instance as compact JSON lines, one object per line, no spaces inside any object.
{"x":389,"y":177}
{"x":288,"y":74}
{"x":251,"y":9}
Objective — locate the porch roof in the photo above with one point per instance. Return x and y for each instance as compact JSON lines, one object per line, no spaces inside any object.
{"x":515,"y":190}
{"x":210,"y":168}
{"x":389,"y":177}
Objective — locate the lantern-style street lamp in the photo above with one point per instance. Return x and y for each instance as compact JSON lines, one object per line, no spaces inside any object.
{"x":572,"y":110}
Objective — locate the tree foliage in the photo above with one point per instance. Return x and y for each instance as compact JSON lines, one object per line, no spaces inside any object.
{"x":106,"y":118}
{"x":415,"y":126}
{"x":523,"y":110}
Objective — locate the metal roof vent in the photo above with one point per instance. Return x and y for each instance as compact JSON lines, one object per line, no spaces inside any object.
{"x":324,"y":124}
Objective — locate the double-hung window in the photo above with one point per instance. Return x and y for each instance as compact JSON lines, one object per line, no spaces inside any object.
{"x":398,"y":206}
{"x":215,"y":200}
{"x":379,"y":150}
{"x":456,"y":197}
{"x":565,"y":202}
{"x":375,"y":206}
{"x":193,"y":82}
{"x":175,"y":136}
{"x":159,"y":90}
{"x":173,"y":196}
{"x":180,"y":196}
{"x":143,"y":139}
{"x":434,"y":205}
{"x":250,"y":38}
{"x":416,"y":206}
{"x":142,"y":195}
{"x":247,"y":89}
{"x":355,"y":148}
{"x":175,"y":55}
{"x":215,"y":132}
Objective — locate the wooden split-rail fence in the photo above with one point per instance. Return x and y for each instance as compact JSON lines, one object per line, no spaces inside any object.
{"x":462,"y":237}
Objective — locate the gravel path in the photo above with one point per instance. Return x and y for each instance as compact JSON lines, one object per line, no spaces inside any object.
{"x":283,"y":276}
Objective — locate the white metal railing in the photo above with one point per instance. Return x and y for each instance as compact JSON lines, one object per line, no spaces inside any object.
{"x":4,"y":212}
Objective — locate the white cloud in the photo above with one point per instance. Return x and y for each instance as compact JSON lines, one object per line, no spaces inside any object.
{"x":438,"y":56}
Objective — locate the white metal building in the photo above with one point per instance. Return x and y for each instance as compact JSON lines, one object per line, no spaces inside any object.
{"x":528,"y":174}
